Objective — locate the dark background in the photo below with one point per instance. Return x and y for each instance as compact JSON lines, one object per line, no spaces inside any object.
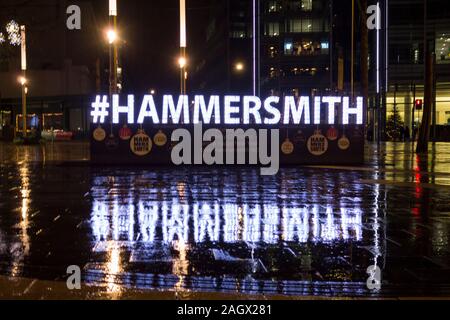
{"x":151,"y":31}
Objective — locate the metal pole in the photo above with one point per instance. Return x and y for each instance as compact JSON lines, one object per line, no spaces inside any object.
{"x":254,"y":46}
{"x":413,"y":124}
{"x":183,"y":44}
{"x":23,"y":80}
{"x":331,"y":46}
{"x":111,"y":67}
{"x":113,"y":50}
{"x":352,"y":84}
{"x":24,"y":107}
{"x":116,"y":57}
{"x":183,"y":71}
{"x":433,"y":119}
{"x":258,"y":47}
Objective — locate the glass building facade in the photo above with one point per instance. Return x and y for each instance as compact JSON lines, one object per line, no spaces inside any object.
{"x":295,"y":46}
{"x":409,"y":22}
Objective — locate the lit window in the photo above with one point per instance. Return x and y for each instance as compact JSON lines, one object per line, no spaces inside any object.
{"x":272,"y":52}
{"x":288,"y":47}
{"x":307,"y":5}
{"x":272,"y":6}
{"x":272,"y":29}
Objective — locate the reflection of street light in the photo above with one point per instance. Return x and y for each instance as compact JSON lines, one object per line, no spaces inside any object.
{"x":111,"y":36}
{"x":182,"y":62}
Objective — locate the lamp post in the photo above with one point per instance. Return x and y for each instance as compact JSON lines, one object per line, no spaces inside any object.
{"x":182,"y":61}
{"x":113,"y":52}
{"x":352,"y":72}
{"x":23,"y":79}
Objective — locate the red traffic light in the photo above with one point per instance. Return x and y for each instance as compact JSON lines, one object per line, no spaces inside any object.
{"x":419,"y":104}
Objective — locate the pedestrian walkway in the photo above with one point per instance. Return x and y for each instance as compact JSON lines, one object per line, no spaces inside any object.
{"x":309,"y":232}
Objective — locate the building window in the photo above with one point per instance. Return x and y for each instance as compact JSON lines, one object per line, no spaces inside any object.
{"x":305,"y":47}
{"x":272,"y":29}
{"x":307,"y":25}
{"x":237,"y":34}
{"x":295,"y":5}
{"x":272,"y":6}
{"x":273,"y":73}
{"x":288,"y":47}
{"x":295,"y":25}
{"x":304,"y":71}
{"x":324,"y":47}
{"x":301,"y":5}
{"x":416,"y":56}
{"x":238,"y":30}
{"x":306,"y":5}
{"x":272,"y":52}
{"x":443,"y":48}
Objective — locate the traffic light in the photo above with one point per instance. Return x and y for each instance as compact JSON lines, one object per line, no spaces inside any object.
{"x":419,"y":104}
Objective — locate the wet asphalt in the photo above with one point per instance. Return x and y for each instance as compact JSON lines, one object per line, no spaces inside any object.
{"x":310,"y":231}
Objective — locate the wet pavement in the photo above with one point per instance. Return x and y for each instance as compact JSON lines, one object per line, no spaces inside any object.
{"x":190,"y":232}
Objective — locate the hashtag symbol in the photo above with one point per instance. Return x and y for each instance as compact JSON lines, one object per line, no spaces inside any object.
{"x":100,"y":109}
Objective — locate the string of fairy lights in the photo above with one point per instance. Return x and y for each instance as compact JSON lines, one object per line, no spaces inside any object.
{"x":12,"y":34}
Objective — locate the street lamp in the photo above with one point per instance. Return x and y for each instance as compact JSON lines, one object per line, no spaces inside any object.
{"x":113,"y":52}
{"x":23,"y":78}
{"x":239,"y":67}
{"x":183,"y":43}
{"x":111,"y":36}
{"x":182,"y":62}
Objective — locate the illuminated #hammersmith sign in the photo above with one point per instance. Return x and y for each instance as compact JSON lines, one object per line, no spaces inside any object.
{"x":230,"y":110}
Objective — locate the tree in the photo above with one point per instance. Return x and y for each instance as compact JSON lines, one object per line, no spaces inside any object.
{"x":394,"y":126}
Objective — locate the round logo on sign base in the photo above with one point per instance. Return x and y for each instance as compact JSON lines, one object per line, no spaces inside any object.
{"x":343,"y":143}
{"x":298,"y":138}
{"x":332,"y":134}
{"x":141,"y":144}
{"x":317,"y":144}
{"x":287,"y":147}
{"x":111,"y":142}
{"x":125,"y":133}
{"x":160,"y":138}
{"x":99,"y":134}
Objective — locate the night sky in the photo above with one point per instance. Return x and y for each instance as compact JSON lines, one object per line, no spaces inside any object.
{"x":151,"y":32}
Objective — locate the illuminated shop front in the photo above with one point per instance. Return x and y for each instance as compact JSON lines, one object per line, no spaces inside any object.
{"x":6,"y":124}
{"x":407,"y":102}
{"x":57,"y":117}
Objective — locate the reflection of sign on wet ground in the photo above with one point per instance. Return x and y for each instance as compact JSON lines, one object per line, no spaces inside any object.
{"x":229,"y":223}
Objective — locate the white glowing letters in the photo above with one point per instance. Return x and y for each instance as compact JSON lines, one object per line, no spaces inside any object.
{"x":235,"y":110}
